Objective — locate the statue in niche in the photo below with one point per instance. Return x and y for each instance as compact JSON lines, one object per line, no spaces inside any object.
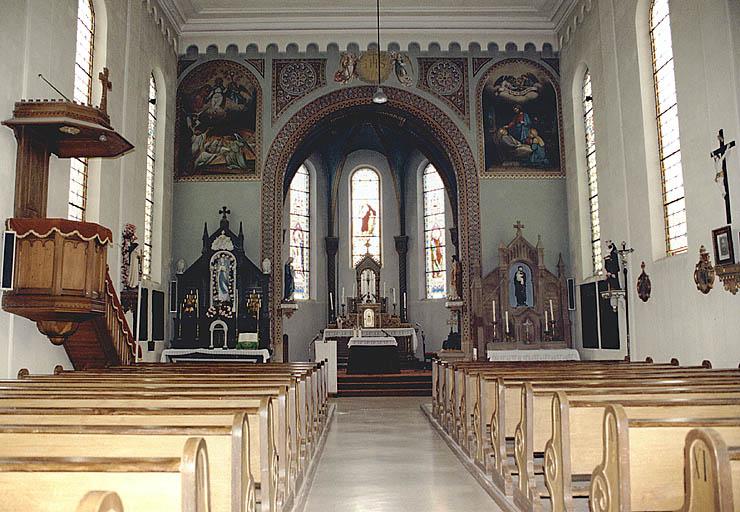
{"x":367,"y":284}
{"x":223,"y":281}
{"x":611,"y":265}
{"x":520,"y":287}
{"x":289,"y":278}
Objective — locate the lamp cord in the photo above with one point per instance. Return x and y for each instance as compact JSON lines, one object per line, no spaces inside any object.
{"x":377,"y":11}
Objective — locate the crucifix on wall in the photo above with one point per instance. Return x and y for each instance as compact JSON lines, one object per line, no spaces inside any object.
{"x":720,"y":155}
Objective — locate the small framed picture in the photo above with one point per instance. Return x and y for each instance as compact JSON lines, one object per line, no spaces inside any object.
{"x":724,"y":253}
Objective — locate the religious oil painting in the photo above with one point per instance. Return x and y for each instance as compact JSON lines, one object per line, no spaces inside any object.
{"x":217,"y":132}
{"x":521,"y":120}
{"x":521,"y":290}
{"x":724,"y":253}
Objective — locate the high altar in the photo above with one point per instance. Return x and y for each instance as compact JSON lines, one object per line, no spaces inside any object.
{"x":368,"y":314}
{"x":222,"y":298}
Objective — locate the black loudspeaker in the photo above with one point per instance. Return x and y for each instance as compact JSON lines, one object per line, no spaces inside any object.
{"x":173,"y":296}
{"x":6,"y":283}
{"x":571,"y":294}
{"x":157,"y":315}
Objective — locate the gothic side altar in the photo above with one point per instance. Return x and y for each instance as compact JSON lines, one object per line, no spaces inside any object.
{"x":523,"y":305}
{"x":222,"y":298}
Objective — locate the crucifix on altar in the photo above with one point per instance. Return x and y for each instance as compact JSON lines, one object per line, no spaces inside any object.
{"x":720,"y":155}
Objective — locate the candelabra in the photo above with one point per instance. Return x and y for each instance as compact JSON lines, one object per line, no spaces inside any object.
{"x":618,"y":295}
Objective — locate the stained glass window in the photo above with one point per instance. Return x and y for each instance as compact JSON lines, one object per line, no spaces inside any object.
{"x":434,"y":234}
{"x":300,"y":231}
{"x":82,"y":94}
{"x":365,"y":200}
{"x":669,"y":143}
{"x":593,"y":186}
{"x":151,"y":155}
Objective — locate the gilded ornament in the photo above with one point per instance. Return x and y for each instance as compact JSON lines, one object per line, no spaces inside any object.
{"x":704,"y":273}
{"x":644,"y":286}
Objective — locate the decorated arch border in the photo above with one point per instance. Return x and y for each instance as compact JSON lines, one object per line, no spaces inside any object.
{"x":555,"y":80}
{"x":447,"y":134}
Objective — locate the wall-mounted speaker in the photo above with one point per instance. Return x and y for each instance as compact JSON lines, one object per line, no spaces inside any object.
{"x":8,"y":266}
{"x":571,"y":294}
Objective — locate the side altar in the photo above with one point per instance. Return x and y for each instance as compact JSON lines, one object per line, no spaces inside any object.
{"x":523,"y":305}
{"x":222,"y":298}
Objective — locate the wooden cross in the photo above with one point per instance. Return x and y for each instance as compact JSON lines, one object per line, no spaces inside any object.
{"x":721,"y":154}
{"x":224,"y":212}
{"x":519,"y":226}
{"x":107,"y":86}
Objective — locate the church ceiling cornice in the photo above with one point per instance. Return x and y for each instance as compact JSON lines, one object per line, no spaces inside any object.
{"x":266,"y":22}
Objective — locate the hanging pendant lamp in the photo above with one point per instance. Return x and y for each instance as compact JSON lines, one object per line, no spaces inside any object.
{"x":379,"y":97}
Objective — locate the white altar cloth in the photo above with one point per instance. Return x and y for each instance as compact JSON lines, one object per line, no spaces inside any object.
{"x":565,"y":354}
{"x":168,"y":354}
{"x":373,"y":333}
{"x":371,"y":342}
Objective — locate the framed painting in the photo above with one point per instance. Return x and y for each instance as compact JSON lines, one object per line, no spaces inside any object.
{"x":520,"y":122}
{"x":217,"y":133}
{"x":724,"y":252}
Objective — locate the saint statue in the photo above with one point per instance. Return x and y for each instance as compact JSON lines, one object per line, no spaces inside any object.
{"x":223,"y":281}
{"x":134,"y":268}
{"x":611,"y":265}
{"x":520,"y":287}
{"x":289,"y":278}
{"x":455,"y":279}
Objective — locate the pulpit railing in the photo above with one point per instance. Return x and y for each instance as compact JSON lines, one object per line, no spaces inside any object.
{"x":121,"y":336}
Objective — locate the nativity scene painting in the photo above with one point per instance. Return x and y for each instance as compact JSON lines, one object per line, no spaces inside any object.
{"x":216,"y":132}
{"x":521,"y":119}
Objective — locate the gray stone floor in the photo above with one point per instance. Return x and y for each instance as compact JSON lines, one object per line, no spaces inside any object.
{"x":382,"y":455}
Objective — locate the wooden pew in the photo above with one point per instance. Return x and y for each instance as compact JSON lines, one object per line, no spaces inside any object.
{"x":53,"y":484}
{"x":100,"y":501}
{"x":276,"y":489}
{"x":631,"y":476}
{"x":711,"y":473}
{"x":230,"y":461}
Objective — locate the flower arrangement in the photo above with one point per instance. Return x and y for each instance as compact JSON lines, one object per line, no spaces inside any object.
{"x":221,"y":310}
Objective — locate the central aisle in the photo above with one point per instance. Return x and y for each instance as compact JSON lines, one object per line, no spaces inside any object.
{"x":382,"y":455}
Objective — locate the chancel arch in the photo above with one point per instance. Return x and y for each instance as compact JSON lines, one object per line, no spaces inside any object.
{"x":446,"y":147}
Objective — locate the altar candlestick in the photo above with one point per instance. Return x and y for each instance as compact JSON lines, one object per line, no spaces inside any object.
{"x":493,"y":308}
{"x":552,"y":315}
{"x":393,"y":290}
{"x":331,"y":302}
{"x":547,"y":322}
{"x":403,"y":301}
{"x":384,"y":295}
{"x":507,"y":322}
{"x":342,"y":294}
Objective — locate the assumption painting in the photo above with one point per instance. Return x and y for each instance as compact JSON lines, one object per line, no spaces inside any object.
{"x":521,"y":120}
{"x":217,"y":132}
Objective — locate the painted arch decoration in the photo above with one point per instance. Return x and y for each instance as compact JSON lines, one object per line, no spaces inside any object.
{"x":218,"y":131}
{"x":520,"y":133}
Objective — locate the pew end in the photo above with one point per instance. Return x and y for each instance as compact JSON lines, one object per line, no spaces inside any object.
{"x":709,"y":476}
{"x":100,"y":501}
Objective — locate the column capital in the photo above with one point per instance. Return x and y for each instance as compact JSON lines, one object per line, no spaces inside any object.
{"x":332,"y":245}
{"x":402,"y":244}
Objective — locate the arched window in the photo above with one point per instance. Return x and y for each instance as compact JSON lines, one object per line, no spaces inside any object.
{"x":669,"y":143}
{"x":366,"y":220}
{"x":593,"y":185}
{"x":434,"y":234}
{"x":300,"y":231}
{"x":151,"y":156}
{"x":82,"y":94}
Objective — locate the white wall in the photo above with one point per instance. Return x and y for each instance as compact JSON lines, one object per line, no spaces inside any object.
{"x":40,"y":35}
{"x":612,"y":41}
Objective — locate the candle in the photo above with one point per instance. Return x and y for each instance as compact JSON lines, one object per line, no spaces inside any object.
{"x":331,"y":302}
{"x":393,"y":291}
{"x":354,"y":289}
{"x":384,"y":294}
{"x":507,"y":322}
{"x":342,"y":294}
{"x":475,"y":353}
{"x":403,"y":301}
{"x":493,"y":308}
{"x":552,"y":315}
{"x":547,"y":321}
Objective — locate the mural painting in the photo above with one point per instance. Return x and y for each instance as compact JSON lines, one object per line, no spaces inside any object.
{"x":217,"y":129}
{"x":521,"y":119}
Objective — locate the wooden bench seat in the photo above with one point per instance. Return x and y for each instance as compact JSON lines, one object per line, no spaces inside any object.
{"x":230,"y":461}
{"x":53,"y":484}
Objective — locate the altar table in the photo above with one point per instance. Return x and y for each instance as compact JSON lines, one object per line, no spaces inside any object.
{"x":231,"y":355}
{"x":372,"y":355}
{"x":374,"y":333}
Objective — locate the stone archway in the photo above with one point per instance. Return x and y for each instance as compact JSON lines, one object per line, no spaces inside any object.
{"x":447,"y":135}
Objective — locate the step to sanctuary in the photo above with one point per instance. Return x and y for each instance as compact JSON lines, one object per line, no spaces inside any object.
{"x":405,"y":383}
